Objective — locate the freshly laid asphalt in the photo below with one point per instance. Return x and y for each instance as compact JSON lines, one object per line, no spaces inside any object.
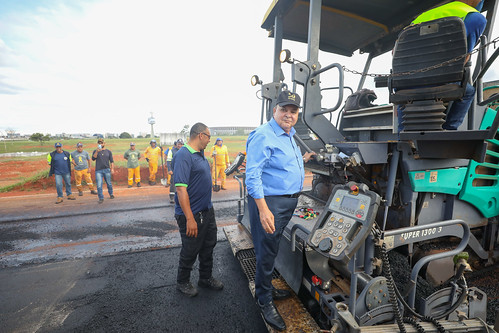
{"x":83,"y":267}
{"x":133,"y":292}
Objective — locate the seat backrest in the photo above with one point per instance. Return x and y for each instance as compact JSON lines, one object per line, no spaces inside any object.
{"x":425,"y":45}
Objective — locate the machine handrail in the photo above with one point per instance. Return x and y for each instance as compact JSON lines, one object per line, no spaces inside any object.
{"x":340,"y":87}
{"x":423,"y":261}
{"x":487,"y":64}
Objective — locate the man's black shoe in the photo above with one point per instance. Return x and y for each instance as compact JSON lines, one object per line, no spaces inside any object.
{"x":279,"y":294}
{"x":272,"y":316}
{"x":101,"y":201}
{"x":187,"y":289}
{"x":111,"y":196}
{"x":211,"y":283}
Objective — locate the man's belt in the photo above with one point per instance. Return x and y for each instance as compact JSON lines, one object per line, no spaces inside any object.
{"x":296,"y":195}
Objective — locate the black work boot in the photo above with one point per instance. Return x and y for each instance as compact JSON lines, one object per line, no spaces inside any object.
{"x":187,"y":289}
{"x":211,"y":283}
{"x":272,"y":316}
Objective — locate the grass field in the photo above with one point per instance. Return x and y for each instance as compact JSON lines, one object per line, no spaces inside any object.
{"x":15,"y":171}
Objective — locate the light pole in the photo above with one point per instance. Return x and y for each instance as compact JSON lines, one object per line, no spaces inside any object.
{"x":151,"y":121}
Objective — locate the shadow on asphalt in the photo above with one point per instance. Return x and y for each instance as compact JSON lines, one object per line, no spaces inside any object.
{"x":132,"y":292}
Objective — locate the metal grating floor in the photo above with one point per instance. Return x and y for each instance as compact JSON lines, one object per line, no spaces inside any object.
{"x":248,"y":262}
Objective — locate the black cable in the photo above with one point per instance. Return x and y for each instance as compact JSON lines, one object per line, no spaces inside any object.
{"x":432,"y":320}
{"x":389,"y":277}
{"x":391,"y":290}
{"x":414,"y":323}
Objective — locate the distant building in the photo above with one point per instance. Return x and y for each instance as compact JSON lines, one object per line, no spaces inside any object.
{"x":80,"y":135}
{"x":170,"y":138}
{"x":231,"y":130}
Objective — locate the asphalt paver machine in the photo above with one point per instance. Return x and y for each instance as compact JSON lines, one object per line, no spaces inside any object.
{"x":402,"y":216}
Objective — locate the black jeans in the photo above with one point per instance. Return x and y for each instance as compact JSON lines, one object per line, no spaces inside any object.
{"x":201,"y":246}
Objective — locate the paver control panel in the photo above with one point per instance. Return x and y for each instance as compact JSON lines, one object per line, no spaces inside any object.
{"x":346,"y":222}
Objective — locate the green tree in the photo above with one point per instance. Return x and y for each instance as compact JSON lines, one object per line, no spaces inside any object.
{"x":125,"y":135}
{"x":36,"y":137}
{"x":46,"y":137}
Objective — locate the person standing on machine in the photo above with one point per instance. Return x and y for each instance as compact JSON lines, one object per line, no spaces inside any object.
{"x":220,"y":156}
{"x":274,"y":179}
{"x":474,"y":22}
{"x":152,"y":155}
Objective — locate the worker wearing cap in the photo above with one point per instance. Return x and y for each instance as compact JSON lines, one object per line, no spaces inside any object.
{"x":104,"y":169}
{"x":152,"y":154}
{"x":274,"y":179}
{"x":60,"y":166}
{"x":220,"y":161}
{"x":81,"y":161}
{"x":169,"y":156}
{"x":133,"y":156}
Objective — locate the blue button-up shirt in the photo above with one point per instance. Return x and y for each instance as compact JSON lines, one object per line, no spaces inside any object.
{"x":274,"y":163}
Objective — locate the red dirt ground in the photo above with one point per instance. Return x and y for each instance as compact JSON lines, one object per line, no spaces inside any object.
{"x":47,"y":185}
{"x":12,"y":172}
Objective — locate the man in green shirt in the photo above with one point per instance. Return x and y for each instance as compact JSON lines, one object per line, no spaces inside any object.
{"x":132,"y":156}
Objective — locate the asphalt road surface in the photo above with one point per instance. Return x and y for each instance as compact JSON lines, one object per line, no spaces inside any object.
{"x":83,"y":267}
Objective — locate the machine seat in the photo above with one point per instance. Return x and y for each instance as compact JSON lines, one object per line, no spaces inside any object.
{"x":419,"y":54}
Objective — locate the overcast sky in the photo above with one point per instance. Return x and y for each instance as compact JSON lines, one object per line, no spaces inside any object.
{"x":94,"y":66}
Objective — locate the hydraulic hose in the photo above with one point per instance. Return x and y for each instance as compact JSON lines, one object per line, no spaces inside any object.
{"x":395,"y":294}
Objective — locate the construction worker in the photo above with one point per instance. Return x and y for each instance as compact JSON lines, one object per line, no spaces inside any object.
{"x":133,"y":156}
{"x":81,"y":161}
{"x":474,"y":23}
{"x":169,"y":155}
{"x":220,"y":161}
{"x":152,"y":154}
{"x":168,"y":158}
{"x":60,"y":166}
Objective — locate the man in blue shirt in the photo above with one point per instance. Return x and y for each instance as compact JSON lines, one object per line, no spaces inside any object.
{"x":474,"y":22}
{"x":194,"y":212}
{"x":274,"y":179}
{"x":60,"y":166}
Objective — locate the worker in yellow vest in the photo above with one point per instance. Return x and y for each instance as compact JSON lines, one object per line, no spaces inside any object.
{"x":474,"y":23}
{"x":152,"y":154}
{"x":220,"y":161}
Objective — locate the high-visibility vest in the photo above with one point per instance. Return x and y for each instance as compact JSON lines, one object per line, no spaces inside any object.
{"x":169,"y":155}
{"x":455,"y":8}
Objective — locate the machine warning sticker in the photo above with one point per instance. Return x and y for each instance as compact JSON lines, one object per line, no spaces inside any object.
{"x":419,"y":175}
{"x":433,"y":176}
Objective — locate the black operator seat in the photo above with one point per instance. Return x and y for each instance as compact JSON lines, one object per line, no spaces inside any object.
{"x":414,"y":83}
{"x":423,"y":84}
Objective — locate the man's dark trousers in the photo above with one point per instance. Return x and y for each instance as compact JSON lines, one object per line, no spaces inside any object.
{"x":267,"y":245}
{"x":201,"y":245}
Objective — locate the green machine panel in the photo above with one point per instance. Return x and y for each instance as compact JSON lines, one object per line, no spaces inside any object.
{"x":481,"y":186}
{"x":449,"y":181}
